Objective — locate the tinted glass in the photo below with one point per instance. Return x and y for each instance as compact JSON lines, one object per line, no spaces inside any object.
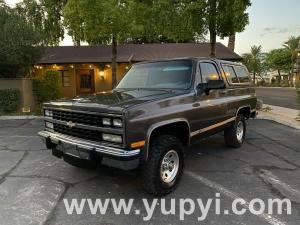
{"x":175,"y":74}
{"x":242,"y":74}
{"x":209,"y":72}
{"x":230,"y":74}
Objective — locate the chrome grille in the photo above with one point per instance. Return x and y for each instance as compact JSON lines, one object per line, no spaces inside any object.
{"x":78,"y":117}
{"x":91,"y":135}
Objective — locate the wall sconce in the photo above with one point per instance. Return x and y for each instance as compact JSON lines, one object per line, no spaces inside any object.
{"x":102,"y":77}
{"x":71,"y":66}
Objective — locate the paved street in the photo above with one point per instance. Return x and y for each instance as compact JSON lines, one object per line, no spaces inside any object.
{"x":33,"y":184}
{"x":284,"y":97}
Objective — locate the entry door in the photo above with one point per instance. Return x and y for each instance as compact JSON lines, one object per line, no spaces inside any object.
{"x":85,"y":82}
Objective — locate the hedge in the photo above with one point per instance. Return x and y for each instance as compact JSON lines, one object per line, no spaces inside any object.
{"x":46,"y":88}
{"x":10,"y":100}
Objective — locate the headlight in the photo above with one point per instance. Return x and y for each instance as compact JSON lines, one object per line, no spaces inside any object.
{"x":117,"y":123}
{"x":48,"y":113}
{"x":112,"y":138}
{"x":106,"y":121}
{"x":49,"y":125}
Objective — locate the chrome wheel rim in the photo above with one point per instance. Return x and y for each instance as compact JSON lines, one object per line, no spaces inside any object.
{"x":169,"y":166}
{"x":240,"y":131}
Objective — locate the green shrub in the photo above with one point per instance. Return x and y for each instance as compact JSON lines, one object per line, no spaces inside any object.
{"x":261,"y":83}
{"x":285,"y":83}
{"x":9,"y":100}
{"x":46,"y":88}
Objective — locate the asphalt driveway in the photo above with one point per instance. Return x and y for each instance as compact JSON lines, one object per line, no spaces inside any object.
{"x":33,"y":184}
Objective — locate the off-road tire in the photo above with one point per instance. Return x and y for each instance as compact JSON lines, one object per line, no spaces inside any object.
{"x":230,"y":133}
{"x":152,"y":180}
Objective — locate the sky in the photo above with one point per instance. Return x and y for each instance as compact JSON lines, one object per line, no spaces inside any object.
{"x":271,"y":23}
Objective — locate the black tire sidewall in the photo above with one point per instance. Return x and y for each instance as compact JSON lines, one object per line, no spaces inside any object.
{"x":230,"y":133}
{"x":152,"y":181}
{"x":240,"y":118}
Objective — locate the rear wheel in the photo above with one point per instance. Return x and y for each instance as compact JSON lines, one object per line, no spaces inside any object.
{"x":163,"y":170}
{"x":235,"y":134}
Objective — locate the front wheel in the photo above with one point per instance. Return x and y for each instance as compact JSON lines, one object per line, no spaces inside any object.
{"x":235,"y":134}
{"x":164,"y":167}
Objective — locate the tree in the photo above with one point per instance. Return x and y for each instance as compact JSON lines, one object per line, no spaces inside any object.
{"x":74,"y":21}
{"x":280,"y":60}
{"x":185,"y":21}
{"x":20,"y":45}
{"x":253,"y":61}
{"x":170,"y":21}
{"x":231,"y":42}
{"x":123,"y":21}
{"x":225,"y":18}
{"x":100,"y":22}
{"x":46,"y":18}
{"x":293,"y":45}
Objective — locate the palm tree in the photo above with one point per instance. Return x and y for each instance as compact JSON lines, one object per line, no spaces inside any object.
{"x":253,"y":60}
{"x":231,"y":42}
{"x":293,"y":44}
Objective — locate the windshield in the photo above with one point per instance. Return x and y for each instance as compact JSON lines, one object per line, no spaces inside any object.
{"x":175,"y":74}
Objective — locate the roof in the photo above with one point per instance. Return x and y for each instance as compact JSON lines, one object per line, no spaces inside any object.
{"x":133,"y":52}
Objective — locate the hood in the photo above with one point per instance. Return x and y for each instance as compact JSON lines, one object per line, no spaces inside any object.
{"x":115,"y":100}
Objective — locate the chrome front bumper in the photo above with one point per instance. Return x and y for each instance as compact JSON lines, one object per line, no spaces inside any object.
{"x":87,"y":145}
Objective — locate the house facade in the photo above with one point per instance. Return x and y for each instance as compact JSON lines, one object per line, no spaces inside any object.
{"x":87,"y":69}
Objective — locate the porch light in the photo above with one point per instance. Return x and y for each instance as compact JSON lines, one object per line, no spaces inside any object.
{"x":72,"y":66}
{"x":127,"y":67}
{"x":90,"y":66}
{"x":102,"y":75}
{"x":108,"y":66}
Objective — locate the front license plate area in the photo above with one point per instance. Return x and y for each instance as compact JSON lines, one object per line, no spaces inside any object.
{"x":69,"y":149}
{"x":74,"y":151}
{"x":83,"y":153}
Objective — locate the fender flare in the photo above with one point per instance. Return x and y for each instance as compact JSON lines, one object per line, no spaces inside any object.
{"x":243,"y":107}
{"x":155,"y":126}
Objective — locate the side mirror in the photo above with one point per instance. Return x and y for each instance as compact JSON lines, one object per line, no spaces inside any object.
{"x":210,"y":85}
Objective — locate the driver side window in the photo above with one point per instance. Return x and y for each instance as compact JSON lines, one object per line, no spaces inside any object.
{"x":208,"y":72}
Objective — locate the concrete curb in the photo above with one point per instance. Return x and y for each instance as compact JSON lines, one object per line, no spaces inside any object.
{"x":291,"y":88}
{"x":271,"y":118}
{"x":30,"y":117}
{"x":282,"y":115}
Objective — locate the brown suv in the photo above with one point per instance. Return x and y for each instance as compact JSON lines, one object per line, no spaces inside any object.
{"x":158,"y":109}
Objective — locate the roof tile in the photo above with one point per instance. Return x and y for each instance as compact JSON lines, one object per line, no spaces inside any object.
{"x":133,"y":52}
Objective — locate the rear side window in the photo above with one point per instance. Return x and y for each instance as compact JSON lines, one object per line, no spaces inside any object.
{"x":242,"y":74}
{"x":208,"y":72}
{"x":230,"y":74}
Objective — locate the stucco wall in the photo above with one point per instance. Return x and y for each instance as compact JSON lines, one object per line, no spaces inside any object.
{"x":25,"y":87}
